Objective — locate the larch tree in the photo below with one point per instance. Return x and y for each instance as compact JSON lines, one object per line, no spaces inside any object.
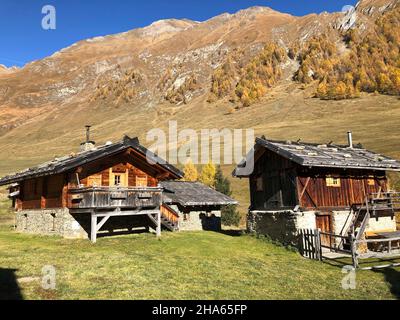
{"x":190,"y":171}
{"x":208,"y":174}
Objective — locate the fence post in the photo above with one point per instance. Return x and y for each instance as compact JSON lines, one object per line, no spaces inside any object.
{"x":318,"y":244}
{"x":301,"y":242}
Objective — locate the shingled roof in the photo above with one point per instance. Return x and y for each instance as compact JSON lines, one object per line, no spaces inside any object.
{"x":193,"y":194}
{"x":322,"y":155}
{"x":64,"y":164}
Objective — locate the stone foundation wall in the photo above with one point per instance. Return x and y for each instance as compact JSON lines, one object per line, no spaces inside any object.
{"x":384,"y":223}
{"x":57,"y":222}
{"x":280,"y":226}
{"x":283,"y":226}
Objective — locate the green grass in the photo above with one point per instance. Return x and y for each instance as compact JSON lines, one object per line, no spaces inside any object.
{"x":197,"y":265}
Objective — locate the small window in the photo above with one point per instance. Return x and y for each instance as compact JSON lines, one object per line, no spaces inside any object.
{"x":53,"y":217}
{"x":371,"y":182}
{"x":186,"y":217}
{"x":333,"y":182}
{"x":117,"y":180}
{"x":260,"y":184}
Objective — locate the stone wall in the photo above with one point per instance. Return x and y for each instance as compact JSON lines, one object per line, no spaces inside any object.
{"x":382,"y":224}
{"x":199,"y":220}
{"x":341,"y":221}
{"x":50,"y":222}
{"x":59,"y":222}
{"x":280,"y":226}
{"x":283,"y":226}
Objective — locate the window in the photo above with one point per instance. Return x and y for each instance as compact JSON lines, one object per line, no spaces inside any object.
{"x":53,"y":217}
{"x":186,"y":217}
{"x":371,"y":182}
{"x":333,"y":182}
{"x":117,"y":180}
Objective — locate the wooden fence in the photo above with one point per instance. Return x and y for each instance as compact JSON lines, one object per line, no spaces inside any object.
{"x":311,"y":247}
{"x":310,"y":244}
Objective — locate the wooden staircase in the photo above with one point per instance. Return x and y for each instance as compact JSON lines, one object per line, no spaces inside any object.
{"x":169,"y":218}
{"x":361,"y":213}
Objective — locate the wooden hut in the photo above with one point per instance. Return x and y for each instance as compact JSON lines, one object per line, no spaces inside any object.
{"x":339,"y":189}
{"x":100,"y":189}
{"x":108,"y":189}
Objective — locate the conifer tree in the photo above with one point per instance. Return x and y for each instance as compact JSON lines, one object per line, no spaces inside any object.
{"x":230,"y":215}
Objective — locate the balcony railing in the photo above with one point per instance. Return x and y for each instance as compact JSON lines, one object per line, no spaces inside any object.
{"x":114,"y":197}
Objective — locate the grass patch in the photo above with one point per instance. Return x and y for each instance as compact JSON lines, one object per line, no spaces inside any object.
{"x":196,"y":265}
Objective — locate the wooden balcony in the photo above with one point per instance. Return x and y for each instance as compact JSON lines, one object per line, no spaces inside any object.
{"x":114,"y":198}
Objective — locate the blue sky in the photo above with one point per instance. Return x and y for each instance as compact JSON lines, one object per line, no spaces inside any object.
{"x":22,"y":38}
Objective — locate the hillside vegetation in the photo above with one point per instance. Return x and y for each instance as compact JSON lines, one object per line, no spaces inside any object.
{"x":370,"y":62}
{"x":252,"y":81}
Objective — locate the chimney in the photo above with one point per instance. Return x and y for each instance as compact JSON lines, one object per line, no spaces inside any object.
{"x":350,"y":139}
{"x":88,"y":144}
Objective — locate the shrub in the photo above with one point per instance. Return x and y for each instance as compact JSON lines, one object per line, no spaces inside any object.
{"x":230,"y":216}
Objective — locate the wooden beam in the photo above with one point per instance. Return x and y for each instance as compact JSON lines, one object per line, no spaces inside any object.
{"x":158,"y":223}
{"x":304,"y":188}
{"x":93,"y":228}
{"x":125,"y":213}
{"x":102,"y":223}
{"x":152,"y":219}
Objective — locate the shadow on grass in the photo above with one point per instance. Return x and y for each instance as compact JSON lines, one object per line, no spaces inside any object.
{"x":392,"y":276}
{"x":9,"y":288}
{"x":231,"y":233}
{"x":121,"y":233}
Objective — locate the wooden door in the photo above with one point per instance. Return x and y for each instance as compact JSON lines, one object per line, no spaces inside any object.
{"x":324,"y":223}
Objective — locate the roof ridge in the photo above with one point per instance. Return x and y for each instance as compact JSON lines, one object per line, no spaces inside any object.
{"x":316,"y":144}
{"x":59,"y":165}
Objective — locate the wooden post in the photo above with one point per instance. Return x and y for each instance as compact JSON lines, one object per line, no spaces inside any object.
{"x":159,"y":223}
{"x":353,"y":244}
{"x":93,"y":228}
{"x":318,"y":244}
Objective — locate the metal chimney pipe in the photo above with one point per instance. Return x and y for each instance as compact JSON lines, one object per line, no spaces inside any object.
{"x":88,"y":133}
{"x":350,"y":139}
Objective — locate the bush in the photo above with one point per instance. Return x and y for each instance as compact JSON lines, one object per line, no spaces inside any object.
{"x":230,"y":216}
